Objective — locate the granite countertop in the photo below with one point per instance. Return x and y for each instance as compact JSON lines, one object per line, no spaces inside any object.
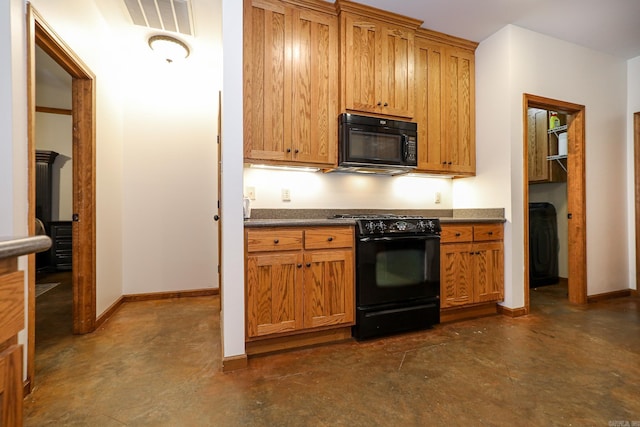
{"x":322,"y":217}
{"x":16,"y":246}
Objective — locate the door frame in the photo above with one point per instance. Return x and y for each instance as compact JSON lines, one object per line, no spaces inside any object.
{"x":84,"y":186}
{"x":576,"y":195}
{"x":636,"y":162}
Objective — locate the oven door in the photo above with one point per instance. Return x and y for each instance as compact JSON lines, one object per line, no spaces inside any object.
{"x":398,"y":268}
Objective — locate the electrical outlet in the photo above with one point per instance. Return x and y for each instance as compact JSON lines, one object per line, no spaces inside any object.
{"x":286,"y":195}
{"x":438,"y":197}
{"x":250,"y":192}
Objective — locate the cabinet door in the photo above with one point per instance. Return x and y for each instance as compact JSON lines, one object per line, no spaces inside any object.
{"x":488,"y":262}
{"x":459,"y":111}
{"x":274,"y":293}
{"x":328,"y":288}
{"x":267,"y":80}
{"x":456,"y":275}
{"x":395,"y":90}
{"x":11,"y":386}
{"x":314,"y":120}
{"x":428,"y":110}
{"x":360,"y":63}
{"x":378,"y":67}
{"x":537,"y":145}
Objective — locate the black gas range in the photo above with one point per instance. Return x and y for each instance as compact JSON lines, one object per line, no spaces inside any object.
{"x":397,"y":274}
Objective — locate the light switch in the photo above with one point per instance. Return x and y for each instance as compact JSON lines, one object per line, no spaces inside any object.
{"x":286,"y":195}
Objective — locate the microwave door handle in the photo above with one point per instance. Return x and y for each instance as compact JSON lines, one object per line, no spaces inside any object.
{"x":405,"y":146}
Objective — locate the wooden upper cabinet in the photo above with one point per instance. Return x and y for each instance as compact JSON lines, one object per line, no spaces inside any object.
{"x":459,"y":110}
{"x":445,"y":104}
{"x":290,"y":84}
{"x":429,"y":65}
{"x":377,"y":52}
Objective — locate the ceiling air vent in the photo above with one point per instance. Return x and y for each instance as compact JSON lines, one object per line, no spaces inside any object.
{"x":168,"y":15}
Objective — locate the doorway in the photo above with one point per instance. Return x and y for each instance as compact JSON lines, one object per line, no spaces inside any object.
{"x":569,"y":119}
{"x":40,"y":34}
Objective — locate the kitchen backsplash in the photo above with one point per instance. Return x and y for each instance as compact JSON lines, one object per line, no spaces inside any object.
{"x":317,"y":190}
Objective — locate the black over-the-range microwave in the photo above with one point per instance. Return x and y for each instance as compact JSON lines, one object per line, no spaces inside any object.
{"x":376,"y":145}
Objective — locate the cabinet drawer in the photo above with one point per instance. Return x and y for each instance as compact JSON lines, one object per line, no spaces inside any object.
{"x":488,"y":232}
{"x":328,"y":237}
{"x":270,"y":240}
{"x":456,"y":233}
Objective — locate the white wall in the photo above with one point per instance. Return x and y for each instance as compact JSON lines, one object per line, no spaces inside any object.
{"x":315,"y":190}
{"x":232,"y":289}
{"x":633,"y":106}
{"x":156,"y":153}
{"x":81,"y":26}
{"x":170,"y":156}
{"x":578,"y":75}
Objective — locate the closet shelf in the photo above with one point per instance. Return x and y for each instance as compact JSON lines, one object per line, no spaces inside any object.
{"x":557,"y":158}
{"x":558,"y":129}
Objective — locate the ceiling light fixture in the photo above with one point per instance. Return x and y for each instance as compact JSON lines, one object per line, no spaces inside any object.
{"x":169,"y":48}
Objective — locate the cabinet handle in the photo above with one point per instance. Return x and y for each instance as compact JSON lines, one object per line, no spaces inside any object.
{"x":490,"y":233}
{"x":296,"y":151}
{"x":449,"y":163}
{"x":379,"y":103}
{"x":308,"y":264}
{"x":288,"y":150}
{"x":457,"y":234}
{"x":276,"y":241}
{"x":470,"y":253}
{"x":444,"y":163}
{"x":330,"y":239}
{"x":385,"y":104}
{"x":477,"y":253}
{"x":299,"y":265}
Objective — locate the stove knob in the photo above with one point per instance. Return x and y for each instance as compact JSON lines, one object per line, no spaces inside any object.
{"x":371,"y":226}
{"x":382,"y":226}
{"x":421,"y":225}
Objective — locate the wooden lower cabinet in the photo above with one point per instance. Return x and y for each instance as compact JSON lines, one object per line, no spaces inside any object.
{"x":298,"y":280}
{"x":471,"y":265}
{"x":11,"y":323}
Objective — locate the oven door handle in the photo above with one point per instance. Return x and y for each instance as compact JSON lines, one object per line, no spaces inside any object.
{"x":389,"y":239}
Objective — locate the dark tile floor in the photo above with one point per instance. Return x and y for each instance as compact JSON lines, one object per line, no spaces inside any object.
{"x":158,"y":363}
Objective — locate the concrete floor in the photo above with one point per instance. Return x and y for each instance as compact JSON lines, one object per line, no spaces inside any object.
{"x":158,"y":363}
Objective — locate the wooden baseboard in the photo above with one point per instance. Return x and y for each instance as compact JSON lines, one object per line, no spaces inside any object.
{"x":172,"y":294}
{"x":512,"y":312}
{"x":462,"y":313}
{"x":609,"y":295}
{"x":150,"y":297}
{"x":234,"y":363}
{"x":26,"y":387}
{"x":109,"y":312}
{"x":635,"y":293}
{"x":273,"y":345}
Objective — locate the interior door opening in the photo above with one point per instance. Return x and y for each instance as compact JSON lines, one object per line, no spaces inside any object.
{"x":548,"y":222}
{"x":554,"y":198}
{"x":54,"y":203}
{"x":83,"y":232}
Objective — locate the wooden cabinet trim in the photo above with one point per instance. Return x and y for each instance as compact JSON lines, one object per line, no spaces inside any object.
{"x":446,"y":39}
{"x":377,"y":14}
